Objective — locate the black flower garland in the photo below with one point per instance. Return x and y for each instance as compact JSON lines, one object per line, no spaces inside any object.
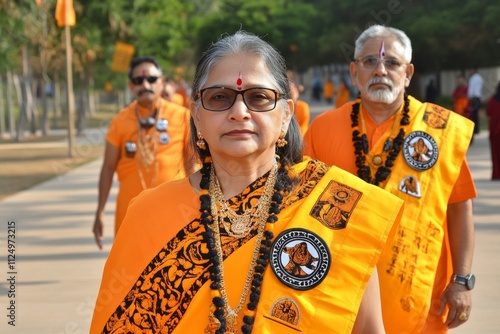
{"x":393,"y":147}
{"x":262,"y":261}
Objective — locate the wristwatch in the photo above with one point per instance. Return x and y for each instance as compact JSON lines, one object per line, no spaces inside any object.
{"x":468,"y":280}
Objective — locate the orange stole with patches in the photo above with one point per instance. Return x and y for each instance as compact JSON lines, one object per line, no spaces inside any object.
{"x":332,"y":306}
{"x":406,"y":292}
{"x":355,"y":220}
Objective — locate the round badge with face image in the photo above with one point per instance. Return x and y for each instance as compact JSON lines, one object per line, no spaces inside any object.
{"x":420,"y":150}
{"x":300,"y":259}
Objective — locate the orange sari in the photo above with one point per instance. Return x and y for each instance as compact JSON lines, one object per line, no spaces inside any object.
{"x":156,"y":278}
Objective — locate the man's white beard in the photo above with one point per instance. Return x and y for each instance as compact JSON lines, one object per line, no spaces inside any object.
{"x":383,"y":95}
{"x":388,"y":95}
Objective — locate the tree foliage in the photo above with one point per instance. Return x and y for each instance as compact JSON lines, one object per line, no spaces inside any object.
{"x":307,"y":32}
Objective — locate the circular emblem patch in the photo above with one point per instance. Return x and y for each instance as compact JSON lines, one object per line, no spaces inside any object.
{"x":300,"y":259}
{"x":161,"y":124}
{"x":420,"y":150}
{"x":164,"y":138}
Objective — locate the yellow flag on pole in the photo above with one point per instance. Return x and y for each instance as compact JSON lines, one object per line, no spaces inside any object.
{"x":65,"y":13}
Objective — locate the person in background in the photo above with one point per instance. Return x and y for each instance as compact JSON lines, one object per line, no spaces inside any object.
{"x":474,"y":93}
{"x":431,"y":91}
{"x":493,"y":113}
{"x":170,"y":94}
{"x":328,"y":91}
{"x":460,"y":100}
{"x":184,"y":89}
{"x":343,"y":93}
{"x":317,"y":88}
{"x":261,"y":239}
{"x":415,"y":151}
{"x":147,"y":143}
{"x":302,"y":110}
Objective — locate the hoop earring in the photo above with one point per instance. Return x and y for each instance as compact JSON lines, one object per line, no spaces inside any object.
{"x":281,"y":142}
{"x":201,"y":143}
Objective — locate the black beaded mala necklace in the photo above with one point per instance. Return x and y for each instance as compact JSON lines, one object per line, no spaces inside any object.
{"x":391,"y":146}
{"x":261,"y":263}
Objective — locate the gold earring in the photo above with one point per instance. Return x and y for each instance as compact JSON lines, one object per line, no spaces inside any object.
{"x":201,"y":143}
{"x":281,"y":140}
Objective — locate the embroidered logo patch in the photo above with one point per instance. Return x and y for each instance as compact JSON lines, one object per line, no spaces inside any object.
{"x":287,"y":310}
{"x":335,"y":205}
{"x":300,"y":259}
{"x":436,"y":117}
{"x":420,"y":150}
{"x":410,"y":185}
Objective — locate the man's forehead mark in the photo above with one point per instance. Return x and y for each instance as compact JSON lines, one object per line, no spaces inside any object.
{"x":381,"y":51}
{"x":239,"y":81}
{"x":143,"y":72}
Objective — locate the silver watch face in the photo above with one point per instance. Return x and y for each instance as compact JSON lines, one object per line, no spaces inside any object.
{"x":470,"y":281}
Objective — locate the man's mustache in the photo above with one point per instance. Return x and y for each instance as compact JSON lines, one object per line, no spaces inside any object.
{"x":142,"y":91}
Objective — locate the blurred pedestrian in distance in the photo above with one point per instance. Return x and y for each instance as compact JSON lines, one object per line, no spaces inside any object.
{"x":493,"y":112}
{"x":184,"y":89}
{"x":170,"y":93}
{"x":343,"y":93}
{"x":317,"y":88}
{"x":261,"y":239}
{"x":147,"y":143}
{"x":328,"y":91}
{"x":302,"y":111}
{"x":460,"y":99}
{"x":474,"y":93}
{"x":431,"y":91}
{"x":415,"y":151}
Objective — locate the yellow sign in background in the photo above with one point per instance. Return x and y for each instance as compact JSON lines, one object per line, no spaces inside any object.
{"x":122,"y":57}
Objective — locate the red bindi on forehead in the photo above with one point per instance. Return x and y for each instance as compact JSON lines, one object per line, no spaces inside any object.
{"x":381,"y":50}
{"x":143,"y":72}
{"x":239,"y":82}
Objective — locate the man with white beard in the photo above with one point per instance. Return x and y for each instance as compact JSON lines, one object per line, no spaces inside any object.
{"x":416,"y":151}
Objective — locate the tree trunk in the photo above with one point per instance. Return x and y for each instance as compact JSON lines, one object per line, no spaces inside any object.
{"x":45,"y":115}
{"x":89,"y":85}
{"x":2,"y":108}
{"x":58,"y":114}
{"x":10,"y":104}
{"x":24,"y":107}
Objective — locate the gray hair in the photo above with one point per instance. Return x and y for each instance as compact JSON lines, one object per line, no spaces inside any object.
{"x":382,"y":31}
{"x":243,"y":42}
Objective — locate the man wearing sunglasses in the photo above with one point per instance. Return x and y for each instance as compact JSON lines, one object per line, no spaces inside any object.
{"x":147,"y":142}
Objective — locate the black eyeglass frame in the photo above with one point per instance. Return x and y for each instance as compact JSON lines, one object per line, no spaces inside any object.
{"x":277,"y":96}
{"x":139,"y":80}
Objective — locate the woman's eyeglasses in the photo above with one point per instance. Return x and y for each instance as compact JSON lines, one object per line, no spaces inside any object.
{"x":222,"y":98}
{"x":139,"y":80}
{"x":371,"y":63}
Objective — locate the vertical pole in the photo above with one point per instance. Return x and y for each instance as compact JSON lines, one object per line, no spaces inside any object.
{"x":71,"y":97}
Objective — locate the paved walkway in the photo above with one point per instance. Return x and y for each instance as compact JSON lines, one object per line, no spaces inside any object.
{"x":56,"y":273}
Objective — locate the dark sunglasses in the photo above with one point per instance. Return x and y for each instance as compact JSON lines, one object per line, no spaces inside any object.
{"x":139,"y":80}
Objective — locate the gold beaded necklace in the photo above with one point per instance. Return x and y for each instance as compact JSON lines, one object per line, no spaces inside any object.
{"x":239,"y":225}
{"x":231,"y":314}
